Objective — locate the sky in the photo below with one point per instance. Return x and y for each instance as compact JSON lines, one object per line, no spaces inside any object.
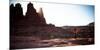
{"x":63,"y":12}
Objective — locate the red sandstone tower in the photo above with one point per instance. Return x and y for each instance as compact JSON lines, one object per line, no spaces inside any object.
{"x":34,"y":18}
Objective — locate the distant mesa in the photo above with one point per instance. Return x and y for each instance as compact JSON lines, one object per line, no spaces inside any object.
{"x":91,"y":24}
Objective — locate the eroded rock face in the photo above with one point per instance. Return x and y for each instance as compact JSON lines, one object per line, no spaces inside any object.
{"x":16,"y":15}
{"x":31,"y":19}
{"x":32,"y":16}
